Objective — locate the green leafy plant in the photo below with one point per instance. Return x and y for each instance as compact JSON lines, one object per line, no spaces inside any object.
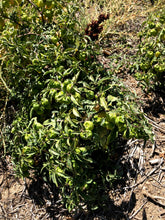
{"x":72,"y":113}
{"x":150,"y":62}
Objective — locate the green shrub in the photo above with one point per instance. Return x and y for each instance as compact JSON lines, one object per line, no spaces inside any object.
{"x":72,"y":113}
{"x":150,"y":62}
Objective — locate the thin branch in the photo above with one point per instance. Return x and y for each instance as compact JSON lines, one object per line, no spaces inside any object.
{"x":135,"y":213}
{"x":4,"y":83}
{"x":154,"y":124}
{"x":26,"y":34}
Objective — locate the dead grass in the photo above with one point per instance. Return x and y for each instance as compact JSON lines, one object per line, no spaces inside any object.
{"x":120,"y":12}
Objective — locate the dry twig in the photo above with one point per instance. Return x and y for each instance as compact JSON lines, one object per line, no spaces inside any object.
{"x":148,"y":175}
{"x":137,"y":211}
{"x":154,"y":124}
{"x":154,"y":198}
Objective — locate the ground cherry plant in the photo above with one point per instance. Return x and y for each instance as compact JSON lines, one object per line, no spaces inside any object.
{"x":150,"y":63}
{"x":71,"y":113}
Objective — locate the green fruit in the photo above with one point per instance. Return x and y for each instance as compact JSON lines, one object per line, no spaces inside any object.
{"x":88,"y":125}
{"x":161,"y":69}
{"x":156,"y":67}
{"x":86,"y":135}
{"x":54,"y":40}
{"x":77,"y":150}
{"x":37,"y":125}
{"x":52,"y":93}
{"x":157,"y":54}
{"x":150,"y":54}
{"x":82,"y":55}
{"x":66,"y":82}
{"x":112,"y":116}
{"x":45,"y":102}
{"x":24,"y":17}
{"x":36,"y":106}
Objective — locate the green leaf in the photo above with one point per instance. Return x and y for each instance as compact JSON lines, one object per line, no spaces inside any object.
{"x":68,"y":142}
{"x":103,"y":79}
{"x":103,"y":103}
{"x":53,"y":177}
{"x":74,"y":100}
{"x":75,"y":78}
{"x":53,"y":152}
{"x":111,"y":98}
{"x":69,"y":163}
{"x":70,"y":122}
{"x":76,"y":113}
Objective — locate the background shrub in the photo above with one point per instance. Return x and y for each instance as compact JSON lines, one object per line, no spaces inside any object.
{"x":150,"y":61}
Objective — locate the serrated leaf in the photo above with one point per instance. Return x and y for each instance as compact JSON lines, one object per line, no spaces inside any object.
{"x":76,"y":113}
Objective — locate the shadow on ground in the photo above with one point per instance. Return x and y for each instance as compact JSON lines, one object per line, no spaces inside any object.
{"x":47,"y":195}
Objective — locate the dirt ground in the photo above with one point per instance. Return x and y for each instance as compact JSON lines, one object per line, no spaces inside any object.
{"x":141,"y":192}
